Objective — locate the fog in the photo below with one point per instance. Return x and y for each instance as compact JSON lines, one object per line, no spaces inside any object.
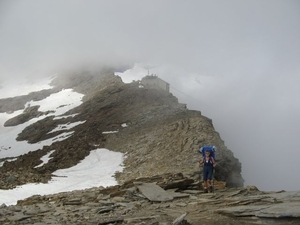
{"x":235,"y":61}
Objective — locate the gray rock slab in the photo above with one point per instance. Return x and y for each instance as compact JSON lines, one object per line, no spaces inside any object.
{"x":192,"y":192}
{"x":178,"y":194}
{"x":154,"y":193}
{"x":237,"y":211}
{"x":18,"y":217}
{"x":178,"y":220}
{"x":281,"y":210}
{"x":286,"y":196}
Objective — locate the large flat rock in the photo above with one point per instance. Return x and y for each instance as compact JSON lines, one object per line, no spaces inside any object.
{"x":249,"y":210}
{"x":154,"y":193}
{"x":279,"y":210}
{"x":286,"y":196}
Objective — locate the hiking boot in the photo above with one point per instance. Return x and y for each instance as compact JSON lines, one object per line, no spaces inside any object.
{"x":205,"y":190}
{"x":210,"y":189}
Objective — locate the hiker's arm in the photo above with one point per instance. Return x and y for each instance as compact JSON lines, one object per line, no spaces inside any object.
{"x":214,"y":162}
{"x":201,"y":161}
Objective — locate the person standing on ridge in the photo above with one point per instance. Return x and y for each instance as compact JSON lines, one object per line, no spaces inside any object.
{"x":209,"y":164}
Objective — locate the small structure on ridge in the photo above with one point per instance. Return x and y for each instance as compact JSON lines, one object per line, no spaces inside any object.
{"x":154,"y":82}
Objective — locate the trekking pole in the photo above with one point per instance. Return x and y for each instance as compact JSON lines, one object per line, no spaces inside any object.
{"x":213,"y":181}
{"x":200,"y":177}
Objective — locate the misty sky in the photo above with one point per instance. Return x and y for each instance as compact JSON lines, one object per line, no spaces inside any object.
{"x":236,"y":61}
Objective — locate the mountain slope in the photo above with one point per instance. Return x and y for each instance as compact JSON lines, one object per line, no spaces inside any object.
{"x":157,"y":134}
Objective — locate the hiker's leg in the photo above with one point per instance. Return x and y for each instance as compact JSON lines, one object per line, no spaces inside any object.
{"x":205,"y":179}
{"x":205,"y":184}
{"x":209,"y":178}
{"x":209,"y":183}
{"x":210,"y":187}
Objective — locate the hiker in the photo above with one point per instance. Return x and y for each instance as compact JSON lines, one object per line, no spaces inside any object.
{"x":209,"y":164}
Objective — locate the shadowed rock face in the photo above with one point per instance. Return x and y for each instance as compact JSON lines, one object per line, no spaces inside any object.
{"x":161,"y":136}
{"x":28,"y":114}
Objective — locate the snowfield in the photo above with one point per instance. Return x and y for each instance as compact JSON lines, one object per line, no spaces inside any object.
{"x":97,"y":169}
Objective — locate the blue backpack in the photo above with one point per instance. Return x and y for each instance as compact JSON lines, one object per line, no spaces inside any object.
{"x":210,"y":148}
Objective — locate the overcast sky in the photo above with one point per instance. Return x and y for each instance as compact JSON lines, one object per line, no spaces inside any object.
{"x":236,"y":61}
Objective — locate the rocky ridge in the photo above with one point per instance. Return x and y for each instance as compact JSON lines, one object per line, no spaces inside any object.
{"x":158,"y":129}
{"x":160,"y":141}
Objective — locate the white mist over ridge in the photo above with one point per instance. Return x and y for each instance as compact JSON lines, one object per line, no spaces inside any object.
{"x":11,"y":87}
{"x":257,"y":127}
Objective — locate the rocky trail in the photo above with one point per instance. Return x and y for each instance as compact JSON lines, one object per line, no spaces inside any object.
{"x":159,"y":200}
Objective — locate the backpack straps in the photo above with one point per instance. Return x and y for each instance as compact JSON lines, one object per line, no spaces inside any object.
{"x":210,"y":159}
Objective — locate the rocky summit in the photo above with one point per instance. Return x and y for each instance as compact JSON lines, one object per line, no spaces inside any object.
{"x":161,"y":180}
